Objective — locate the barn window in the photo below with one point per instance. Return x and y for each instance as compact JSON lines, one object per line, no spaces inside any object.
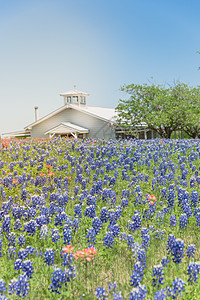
{"x":75,"y":99}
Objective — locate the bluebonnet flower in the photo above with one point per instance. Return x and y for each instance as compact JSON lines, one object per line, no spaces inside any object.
{"x":124,"y":202}
{"x":141,"y":256}
{"x":164,"y":261}
{"x":170,"y":242}
{"x":21,"y":240}
{"x":104,"y":214}
{"x":145,"y":238}
{"x":186,"y":207}
{"x":75,"y":224}
{"x":90,"y":211}
{"x":12,"y":286}
{"x":55,"y":235}
{"x":192,"y":181}
{"x":49,"y":256}
{"x":138,"y":293}
{"x":101,"y":293}
{"x":60,"y":218}
{"x":109,"y":240}
{"x":137,"y":274}
{"x":97,"y":224}
{"x":67,"y":259}
{"x":27,"y":267}
{"x":194,"y":198}
{"x":30,"y":227}
{"x":2,"y":287}
{"x":91,"y":236}
{"x":159,"y":234}
{"x":115,"y":230}
{"x":183,"y":221}
{"x":22,"y":286}
{"x":193,"y":271}
{"x":112,"y":217}
{"x":135,"y":223}
{"x":160,"y":295}
{"x":30,"y":250}
{"x":67,"y":235}
{"x":173,"y":220}
{"x":177,"y":288}
{"x":190,"y":250}
{"x":112,"y":286}
{"x":22,"y":254}
{"x":118,"y":212}
{"x":159,"y":217}
{"x":117,"y":296}
{"x":171,"y":198}
{"x":11,"y":252}
{"x":6,"y":223}
{"x":158,"y":275}
{"x":198,"y":218}
{"x":41,"y":220}
{"x":78,"y":211}
{"x":18,"y":264}
{"x":177,"y":250}
{"x":130,"y":240}
{"x":17,"y":225}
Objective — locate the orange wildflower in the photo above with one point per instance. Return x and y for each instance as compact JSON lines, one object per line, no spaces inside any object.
{"x":15,"y":181}
{"x":67,"y":249}
{"x":152,"y":197}
{"x":86,"y":254}
{"x":42,"y":175}
{"x":51,"y":174}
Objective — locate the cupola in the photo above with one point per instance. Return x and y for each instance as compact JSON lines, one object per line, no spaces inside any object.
{"x":74,"y":97}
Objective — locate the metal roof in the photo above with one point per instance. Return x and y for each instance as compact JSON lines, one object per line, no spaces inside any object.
{"x":73,"y":93}
{"x":21,"y":133}
{"x":106,"y":114}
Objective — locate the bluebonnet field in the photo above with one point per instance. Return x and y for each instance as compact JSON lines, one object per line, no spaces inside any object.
{"x":95,"y":219}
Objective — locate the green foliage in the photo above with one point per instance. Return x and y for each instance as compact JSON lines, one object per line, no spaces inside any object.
{"x":161,"y":109}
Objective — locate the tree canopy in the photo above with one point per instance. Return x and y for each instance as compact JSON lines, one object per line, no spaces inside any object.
{"x":162,"y":109}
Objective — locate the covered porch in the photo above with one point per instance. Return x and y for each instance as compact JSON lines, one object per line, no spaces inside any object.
{"x":67,"y":129}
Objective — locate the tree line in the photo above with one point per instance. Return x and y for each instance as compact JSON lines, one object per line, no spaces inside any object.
{"x":160,"y":108}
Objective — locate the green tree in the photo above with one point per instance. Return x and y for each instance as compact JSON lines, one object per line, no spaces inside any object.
{"x":191,"y":107}
{"x":158,"y":108}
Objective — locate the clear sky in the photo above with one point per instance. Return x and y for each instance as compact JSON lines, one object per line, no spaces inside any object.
{"x":48,"y":46}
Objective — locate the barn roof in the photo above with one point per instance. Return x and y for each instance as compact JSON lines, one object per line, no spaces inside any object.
{"x":105,"y":114}
{"x":74,"y":92}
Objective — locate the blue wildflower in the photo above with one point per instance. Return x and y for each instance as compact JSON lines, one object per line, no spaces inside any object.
{"x":101,"y":293}
{"x":164,"y":261}
{"x":137,"y":274}
{"x":49,"y":256}
{"x":173,"y":220}
{"x":22,"y":286}
{"x":160,"y":295}
{"x":109,"y":240}
{"x":138,"y":293}
{"x":193,"y":271}
{"x":158,"y":275}
{"x":177,"y":288}
{"x":190,"y":250}
{"x":2,"y":287}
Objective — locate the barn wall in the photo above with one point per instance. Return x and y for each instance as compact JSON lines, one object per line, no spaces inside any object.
{"x":97,"y":128}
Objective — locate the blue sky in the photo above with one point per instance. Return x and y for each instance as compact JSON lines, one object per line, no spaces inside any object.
{"x":49,"y":46}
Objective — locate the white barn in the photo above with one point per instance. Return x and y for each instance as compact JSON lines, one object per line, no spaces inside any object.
{"x":76,"y":119}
